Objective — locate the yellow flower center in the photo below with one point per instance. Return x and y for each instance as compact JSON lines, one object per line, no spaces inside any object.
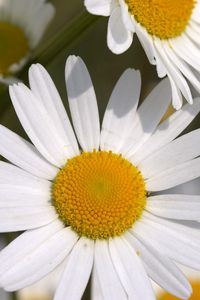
{"x":162,"y":18}
{"x":13,"y":46}
{"x":195,"y":294}
{"x":99,"y":194}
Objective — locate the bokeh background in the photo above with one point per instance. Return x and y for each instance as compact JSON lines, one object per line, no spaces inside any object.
{"x":73,"y":31}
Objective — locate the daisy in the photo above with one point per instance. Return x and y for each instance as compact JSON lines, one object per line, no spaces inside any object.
{"x":95,"y":210}
{"x":168,"y":31}
{"x":22,"y":25}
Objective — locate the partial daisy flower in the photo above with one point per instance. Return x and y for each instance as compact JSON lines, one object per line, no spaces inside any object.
{"x":99,"y":210}
{"x":168,"y":31}
{"x":22,"y":25}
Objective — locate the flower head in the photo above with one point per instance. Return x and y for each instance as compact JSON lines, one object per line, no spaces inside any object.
{"x":22,"y":24}
{"x":168,"y":31}
{"x":95,"y":209}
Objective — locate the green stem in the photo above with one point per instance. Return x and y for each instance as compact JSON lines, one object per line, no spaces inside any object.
{"x":14,"y":296}
{"x":65,"y":39}
{"x":4,"y":98}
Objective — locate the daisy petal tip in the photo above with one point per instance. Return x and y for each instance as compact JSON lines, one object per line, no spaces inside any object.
{"x":71,"y":62}
{"x":131,"y":72}
{"x":191,"y":101}
{"x":36,"y":73}
{"x":52,"y":10}
{"x":21,"y":85}
{"x":22,"y":88}
{"x":135,"y":76}
{"x":119,"y":39}
{"x":72,"y":59}
{"x":41,"y":68}
{"x":118,"y":49}
{"x":134,"y":71}
{"x":10,"y":88}
{"x":102,"y":8}
{"x":188,"y":293}
{"x":32,"y":68}
{"x":177,"y":106}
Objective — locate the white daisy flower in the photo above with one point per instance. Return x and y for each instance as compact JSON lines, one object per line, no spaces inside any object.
{"x":22,"y":25}
{"x":95,"y":209}
{"x":168,"y":31}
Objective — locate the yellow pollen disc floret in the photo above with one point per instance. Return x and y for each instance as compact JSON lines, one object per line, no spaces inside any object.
{"x":99,"y":194}
{"x":13,"y":46}
{"x":162,"y":18}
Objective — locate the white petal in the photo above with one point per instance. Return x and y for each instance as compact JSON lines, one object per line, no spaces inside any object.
{"x":168,"y":130}
{"x":161,"y":70}
{"x":172,"y":154}
{"x":173,"y":71}
{"x":23,"y":218}
{"x":183,"y":67}
{"x":43,"y":13}
{"x":14,"y":195}
{"x":77,"y":271}
{"x":176,"y":241}
{"x":108,"y":279}
{"x":162,"y":270}
{"x":82,"y":103}
{"x":39,"y":262}
{"x":183,"y":47}
{"x":43,"y":87}
{"x":99,"y":7}
{"x":192,"y":33}
{"x":195,"y":27}
{"x":126,"y":16}
{"x":120,"y":112}
{"x":196,"y":12}
{"x":24,"y":155}
{"x":11,"y":175}
{"x":177,"y":98}
{"x":146,"y":42}
{"x":148,"y":116}
{"x":25,"y":244}
{"x":38,"y":125}
{"x":179,"y":207}
{"x":119,"y":38}
{"x":174,"y":176}
{"x":130,"y":270}
{"x":96,"y":290}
